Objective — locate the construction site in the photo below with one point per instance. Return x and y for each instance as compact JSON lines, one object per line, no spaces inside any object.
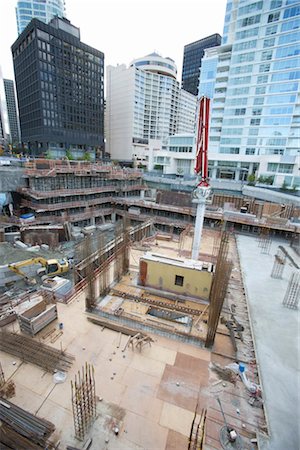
{"x":133,"y":319}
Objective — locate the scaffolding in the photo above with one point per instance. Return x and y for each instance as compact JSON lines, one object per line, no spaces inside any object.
{"x":292,"y":295}
{"x":83,"y":400}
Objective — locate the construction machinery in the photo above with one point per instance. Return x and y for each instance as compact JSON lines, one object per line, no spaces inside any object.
{"x":50,"y":267}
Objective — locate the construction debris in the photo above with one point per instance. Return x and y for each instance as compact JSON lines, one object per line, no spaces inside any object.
{"x":83,"y":400}
{"x":35,"y":352}
{"x":19,"y":427}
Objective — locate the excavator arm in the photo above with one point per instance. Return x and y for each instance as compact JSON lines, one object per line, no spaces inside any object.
{"x":52,"y":267}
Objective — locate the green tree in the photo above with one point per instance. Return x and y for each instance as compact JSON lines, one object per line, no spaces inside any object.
{"x":87,"y":156}
{"x":69,"y":154}
{"x":251,"y":179}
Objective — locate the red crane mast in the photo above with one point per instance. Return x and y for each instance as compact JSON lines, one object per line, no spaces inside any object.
{"x":201,"y":167}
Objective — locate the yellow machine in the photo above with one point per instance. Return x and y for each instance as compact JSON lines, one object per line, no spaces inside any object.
{"x":51,"y":267}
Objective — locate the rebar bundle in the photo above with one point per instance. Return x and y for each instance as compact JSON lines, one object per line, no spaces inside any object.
{"x":35,"y":352}
{"x":83,"y":400}
{"x":278,"y":266}
{"x":22,"y":428}
{"x":292,"y":295}
{"x":219,"y":289}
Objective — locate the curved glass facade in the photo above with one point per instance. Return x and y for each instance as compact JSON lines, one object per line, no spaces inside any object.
{"x":43,"y":10}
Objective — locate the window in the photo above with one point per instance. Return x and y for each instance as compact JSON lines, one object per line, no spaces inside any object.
{"x":260,"y":90}
{"x":272,"y":29}
{"x":274,"y":17}
{"x":264,"y":68}
{"x":179,"y":280}
{"x":275,"y":4}
{"x":291,"y":25}
{"x":291,"y":50}
{"x":258,"y":101}
{"x":267,"y":55}
{"x":289,"y":38}
{"x":262,"y":79}
{"x":269,"y":42}
{"x":249,"y":21}
{"x":250,"y":151}
{"x":291,"y":12}
{"x":255,"y":122}
{"x":250,"y":8}
{"x":230,"y":150}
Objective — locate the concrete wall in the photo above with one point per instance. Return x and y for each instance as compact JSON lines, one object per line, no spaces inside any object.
{"x":160,"y":275}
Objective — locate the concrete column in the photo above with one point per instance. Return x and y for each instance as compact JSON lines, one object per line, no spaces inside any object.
{"x":142,"y":194}
{"x":113,"y":217}
{"x":200,"y":195}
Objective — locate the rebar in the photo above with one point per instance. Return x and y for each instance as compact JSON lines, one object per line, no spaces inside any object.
{"x":292,"y":295}
{"x":279,"y":263}
{"x":35,"y":352}
{"x":83,"y":400}
{"x":219,"y":289}
{"x":24,"y":424}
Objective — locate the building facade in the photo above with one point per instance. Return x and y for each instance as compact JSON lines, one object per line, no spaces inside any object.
{"x":4,"y":129}
{"x":59,"y":83}
{"x":43,"y":10}
{"x":144,"y":102}
{"x":192,"y":59}
{"x":253,"y":80}
{"x":12,"y":112}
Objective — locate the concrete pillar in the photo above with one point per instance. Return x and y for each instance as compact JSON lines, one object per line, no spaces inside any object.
{"x":113,"y":217}
{"x":142,"y":194}
{"x":200,"y":195}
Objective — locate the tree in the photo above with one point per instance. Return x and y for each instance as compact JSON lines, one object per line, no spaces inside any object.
{"x":69,"y":154}
{"x":87,"y":156}
{"x":251,"y":179}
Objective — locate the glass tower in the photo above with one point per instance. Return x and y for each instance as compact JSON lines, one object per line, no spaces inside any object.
{"x":253,"y":79}
{"x":13,"y":119}
{"x":192,"y":58}
{"x":43,"y":10}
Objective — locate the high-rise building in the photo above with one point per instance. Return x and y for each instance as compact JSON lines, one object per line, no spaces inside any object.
{"x":143,"y":102}
{"x":13,"y":120}
{"x":43,"y":10}
{"x":59,"y":83}
{"x":192,"y":57}
{"x":253,"y":79}
{"x":4,"y":130}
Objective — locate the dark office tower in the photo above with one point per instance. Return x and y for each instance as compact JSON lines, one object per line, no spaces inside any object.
{"x":13,"y":119}
{"x":192,"y":57}
{"x":59,"y":83}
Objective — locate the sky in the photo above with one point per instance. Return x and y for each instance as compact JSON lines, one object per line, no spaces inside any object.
{"x":127,"y":29}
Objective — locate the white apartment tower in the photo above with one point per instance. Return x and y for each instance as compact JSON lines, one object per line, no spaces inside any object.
{"x":143,"y":102}
{"x":253,"y":80}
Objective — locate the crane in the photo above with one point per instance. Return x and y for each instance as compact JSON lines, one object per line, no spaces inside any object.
{"x":51,"y":267}
{"x":201,"y":167}
{"x":202,"y":191}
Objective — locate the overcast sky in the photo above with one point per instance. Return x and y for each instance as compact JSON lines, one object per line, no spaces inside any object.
{"x":127,"y":29}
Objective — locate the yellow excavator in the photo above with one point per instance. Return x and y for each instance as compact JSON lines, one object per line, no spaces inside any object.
{"x":51,"y":267}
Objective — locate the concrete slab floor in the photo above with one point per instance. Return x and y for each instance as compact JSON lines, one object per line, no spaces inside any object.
{"x":157,"y":412}
{"x":276,"y":332}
